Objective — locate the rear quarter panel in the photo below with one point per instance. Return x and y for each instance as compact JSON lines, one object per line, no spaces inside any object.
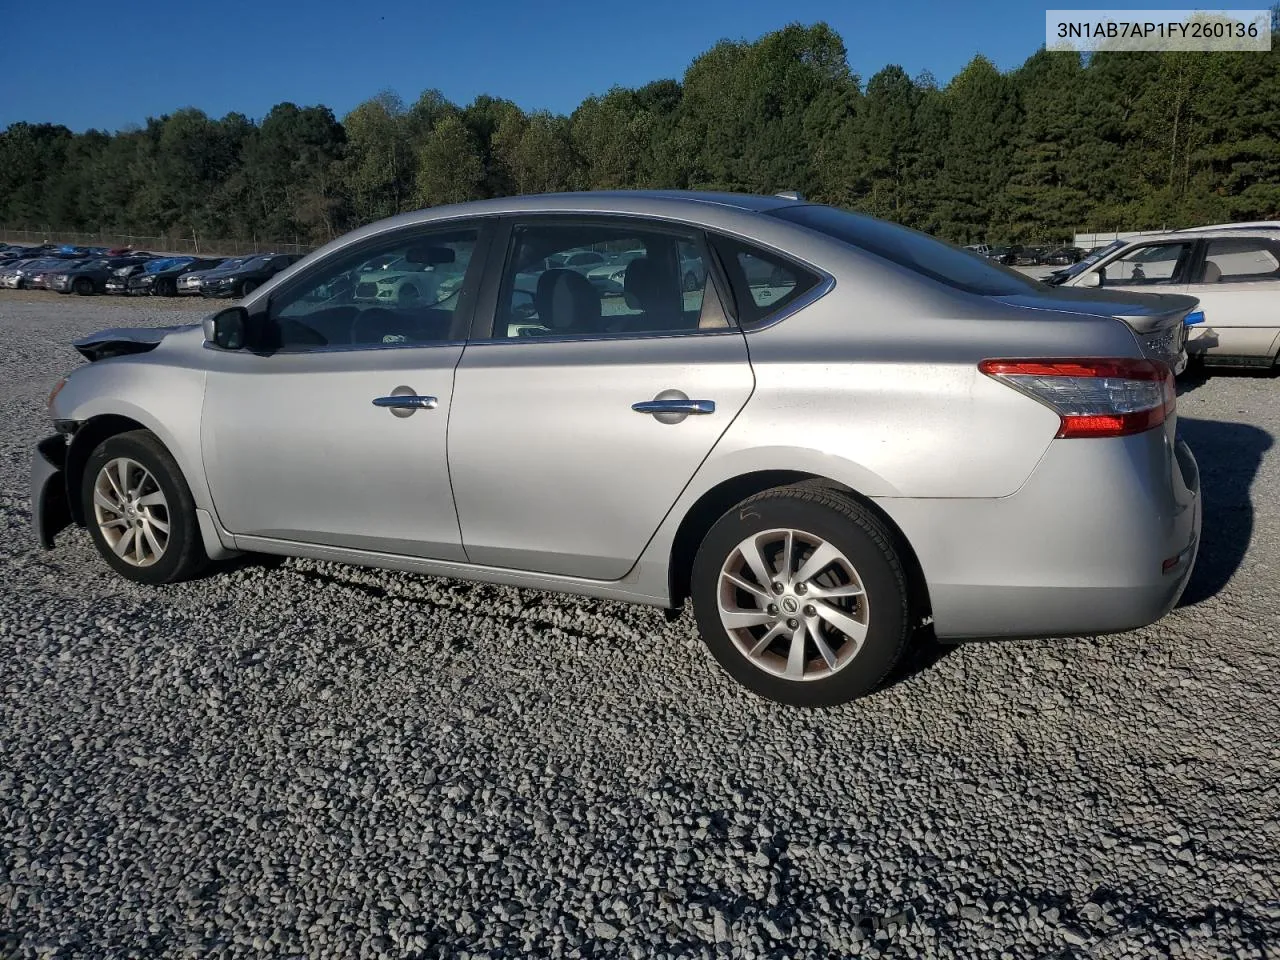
{"x":881,"y":378}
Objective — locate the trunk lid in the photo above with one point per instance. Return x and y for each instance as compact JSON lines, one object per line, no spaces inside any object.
{"x":1158,"y":320}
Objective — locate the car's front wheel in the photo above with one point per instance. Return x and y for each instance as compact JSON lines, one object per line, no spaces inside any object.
{"x":801,"y":595}
{"x":139,"y":510}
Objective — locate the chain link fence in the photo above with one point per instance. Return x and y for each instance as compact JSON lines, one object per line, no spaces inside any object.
{"x":169,"y":244}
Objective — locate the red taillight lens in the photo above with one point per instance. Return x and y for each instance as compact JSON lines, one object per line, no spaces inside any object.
{"x":1109,"y":397}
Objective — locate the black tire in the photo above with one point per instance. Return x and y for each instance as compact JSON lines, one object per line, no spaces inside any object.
{"x":248,"y":287}
{"x":183,"y":556}
{"x":690,"y":282}
{"x":166,"y":288}
{"x":868,"y":545}
{"x":83,"y":286}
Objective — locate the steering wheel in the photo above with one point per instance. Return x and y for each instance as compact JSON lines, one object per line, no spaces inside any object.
{"x":368,"y":321}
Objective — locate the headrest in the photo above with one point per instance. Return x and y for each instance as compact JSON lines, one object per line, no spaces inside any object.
{"x":642,"y":285}
{"x":566,"y":299}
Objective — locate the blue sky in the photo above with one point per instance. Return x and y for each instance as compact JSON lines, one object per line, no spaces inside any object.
{"x":90,"y":63}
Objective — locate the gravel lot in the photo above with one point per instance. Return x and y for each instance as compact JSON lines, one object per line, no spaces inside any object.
{"x":300,"y":759}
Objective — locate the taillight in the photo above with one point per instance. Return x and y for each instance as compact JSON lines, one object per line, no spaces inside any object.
{"x":1094,"y":397}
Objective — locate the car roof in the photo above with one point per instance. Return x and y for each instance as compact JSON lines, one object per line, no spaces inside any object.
{"x":692,"y":206}
{"x":1233,"y":227}
{"x":1207,"y":233}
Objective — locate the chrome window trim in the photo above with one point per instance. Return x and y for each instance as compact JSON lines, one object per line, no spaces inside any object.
{"x":608,"y":337}
{"x":341,"y":348}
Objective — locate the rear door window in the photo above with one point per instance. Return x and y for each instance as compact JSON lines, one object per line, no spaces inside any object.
{"x":1240,"y":259}
{"x":597,"y":278}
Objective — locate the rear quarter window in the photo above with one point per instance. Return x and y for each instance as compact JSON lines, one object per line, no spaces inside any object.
{"x":763,"y":283}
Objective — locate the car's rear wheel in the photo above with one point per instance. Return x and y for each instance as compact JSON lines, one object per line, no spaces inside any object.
{"x":247,"y":288}
{"x":801,"y":595}
{"x":166,"y":288}
{"x":83,"y":286}
{"x":139,"y":510}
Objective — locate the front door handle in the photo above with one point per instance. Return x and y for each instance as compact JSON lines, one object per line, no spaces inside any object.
{"x":405,"y":402}
{"x":672,"y":406}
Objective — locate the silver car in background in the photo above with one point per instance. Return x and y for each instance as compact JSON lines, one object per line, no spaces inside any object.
{"x":847,"y":433}
{"x":1233,"y":270}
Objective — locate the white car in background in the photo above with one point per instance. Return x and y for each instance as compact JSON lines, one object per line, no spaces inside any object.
{"x":1232,"y":269}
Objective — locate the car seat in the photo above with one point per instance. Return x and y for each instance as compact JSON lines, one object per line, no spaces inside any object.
{"x":567,"y":303}
{"x":656,"y":293}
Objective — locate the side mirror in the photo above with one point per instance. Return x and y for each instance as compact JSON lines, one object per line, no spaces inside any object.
{"x":1092,"y":279}
{"x":226,"y":328}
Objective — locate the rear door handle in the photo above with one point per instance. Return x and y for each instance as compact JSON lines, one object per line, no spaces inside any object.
{"x":413,"y":402}
{"x":675,"y":406}
{"x":404,"y":402}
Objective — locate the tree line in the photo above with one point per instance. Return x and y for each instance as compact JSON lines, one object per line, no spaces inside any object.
{"x":1062,"y":143}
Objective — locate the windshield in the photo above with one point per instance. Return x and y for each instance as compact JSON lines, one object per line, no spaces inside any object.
{"x":165,"y":263}
{"x":919,"y":252}
{"x":1083,"y":265}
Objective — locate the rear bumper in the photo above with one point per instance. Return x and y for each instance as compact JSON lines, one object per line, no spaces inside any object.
{"x":1101,"y":538}
{"x":50,"y":511}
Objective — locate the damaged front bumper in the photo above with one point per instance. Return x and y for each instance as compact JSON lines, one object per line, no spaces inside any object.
{"x":50,"y":510}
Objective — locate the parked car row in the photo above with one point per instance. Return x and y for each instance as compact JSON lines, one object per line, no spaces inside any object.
{"x":94,"y":270}
{"x":1033,"y":256}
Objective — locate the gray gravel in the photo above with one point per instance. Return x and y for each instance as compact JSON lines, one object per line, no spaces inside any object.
{"x":301,"y":759}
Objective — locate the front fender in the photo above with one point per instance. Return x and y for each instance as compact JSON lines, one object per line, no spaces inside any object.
{"x":164,"y":399}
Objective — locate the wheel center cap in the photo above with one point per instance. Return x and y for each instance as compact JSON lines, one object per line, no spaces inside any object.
{"x":789,"y":604}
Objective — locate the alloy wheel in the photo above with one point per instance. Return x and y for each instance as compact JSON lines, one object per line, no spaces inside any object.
{"x":793,"y":604}
{"x":131,"y":512}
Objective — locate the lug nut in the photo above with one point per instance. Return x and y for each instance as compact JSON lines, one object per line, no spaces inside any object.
{"x":777,"y":586}
{"x":801,"y":588}
{"x":810,"y":610}
{"x":793,"y":623}
{"x":773,"y":609}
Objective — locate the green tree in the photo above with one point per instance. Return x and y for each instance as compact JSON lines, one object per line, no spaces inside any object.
{"x":378,"y":167}
{"x":450,"y":166}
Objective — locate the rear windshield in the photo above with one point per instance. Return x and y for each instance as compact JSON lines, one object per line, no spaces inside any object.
{"x":912,"y":249}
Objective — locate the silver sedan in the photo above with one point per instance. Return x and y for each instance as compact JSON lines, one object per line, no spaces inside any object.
{"x":846,"y":435}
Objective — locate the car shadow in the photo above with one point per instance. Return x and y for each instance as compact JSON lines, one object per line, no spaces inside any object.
{"x":1229,"y":455}
{"x":924,"y":652}
{"x":1197,"y":375}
